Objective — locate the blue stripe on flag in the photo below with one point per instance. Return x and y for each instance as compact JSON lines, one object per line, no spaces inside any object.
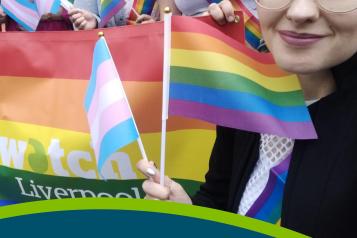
{"x":271,"y":211}
{"x":235,"y":100}
{"x":109,"y":8}
{"x":56,"y":6}
{"x":118,"y":137}
{"x":252,"y":39}
{"x":100,"y":55}
{"x":28,"y":4}
{"x":147,"y":7}
{"x":13,"y":17}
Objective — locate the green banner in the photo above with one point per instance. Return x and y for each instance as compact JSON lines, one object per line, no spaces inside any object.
{"x":22,"y":186}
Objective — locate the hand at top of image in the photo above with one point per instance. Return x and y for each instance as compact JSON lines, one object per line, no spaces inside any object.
{"x":82,"y":19}
{"x":222,"y":12}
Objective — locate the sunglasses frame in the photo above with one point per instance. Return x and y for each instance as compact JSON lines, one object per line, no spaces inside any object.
{"x":318,"y":2}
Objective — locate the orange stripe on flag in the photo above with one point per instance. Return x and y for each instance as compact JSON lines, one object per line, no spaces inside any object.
{"x":188,"y":41}
{"x":58,"y":103}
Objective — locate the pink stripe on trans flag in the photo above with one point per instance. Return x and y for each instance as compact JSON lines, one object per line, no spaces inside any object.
{"x":107,"y":113}
{"x":44,"y":6}
{"x":107,"y":80}
{"x":111,"y":116}
{"x":29,"y":17}
{"x":109,"y":106}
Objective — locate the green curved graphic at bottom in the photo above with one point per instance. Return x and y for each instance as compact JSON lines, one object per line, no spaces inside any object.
{"x":139,"y":217}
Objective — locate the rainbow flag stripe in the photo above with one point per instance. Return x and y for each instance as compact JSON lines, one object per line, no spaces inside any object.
{"x":252,"y":29}
{"x":144,"y":6}
{"x":48,"y":6}
{"x":141,"y":7}
{"x":218,"y":79}
{"x":108,"y":8}
{"x":23,"y":12}
{"x":110,"y":119}
{"x":269,"y":204}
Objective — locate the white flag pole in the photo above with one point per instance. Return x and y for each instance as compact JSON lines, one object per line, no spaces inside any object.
{"x":140,"y":143}
{"x":165,"y":90}
{"x":66,"y":4}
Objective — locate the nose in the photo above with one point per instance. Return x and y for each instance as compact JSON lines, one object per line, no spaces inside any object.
{"x":303,"y":11}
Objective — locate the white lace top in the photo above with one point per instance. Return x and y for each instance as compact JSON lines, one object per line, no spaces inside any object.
{"x":272,"y":151}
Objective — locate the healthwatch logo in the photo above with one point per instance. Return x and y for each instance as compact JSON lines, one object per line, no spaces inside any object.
{"x":54,"y":159}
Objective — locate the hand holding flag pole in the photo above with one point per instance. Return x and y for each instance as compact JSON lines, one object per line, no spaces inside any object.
{"x":110,"y":118}
{"x":135,"y":12}
{"x":166,"y":87}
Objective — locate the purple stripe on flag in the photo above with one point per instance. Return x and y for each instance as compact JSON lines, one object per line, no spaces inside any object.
{"x":112,"y":12}
{"x":112,"y":116}
{"x":283,"y":166}
{"x":264,"y":196}
{"x":269,"y":188}
{"x":249,"y":121}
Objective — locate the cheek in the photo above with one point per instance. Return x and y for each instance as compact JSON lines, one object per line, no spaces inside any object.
{"x":269,"y":20}
{"x":344,"y":44}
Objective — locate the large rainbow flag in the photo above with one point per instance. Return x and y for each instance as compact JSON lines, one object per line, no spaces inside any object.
{"x":108,"y":8}
{"x":44,"y":133}
{"x":218,"y":79}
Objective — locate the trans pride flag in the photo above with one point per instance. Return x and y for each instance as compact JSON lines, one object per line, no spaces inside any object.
{"x":23,"y":12}
{"x":48,"y":6}
{"x":110,"y":119}
{"x":108,"y":8}
{"x":218,"y":79}
{"x":28,"y":14}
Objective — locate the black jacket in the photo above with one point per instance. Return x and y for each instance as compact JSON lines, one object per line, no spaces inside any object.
{"x":320,"y":196}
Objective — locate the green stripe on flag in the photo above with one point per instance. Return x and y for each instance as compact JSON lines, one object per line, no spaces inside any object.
{"x":233,"y":82}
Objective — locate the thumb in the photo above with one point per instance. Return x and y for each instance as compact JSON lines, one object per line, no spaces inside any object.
{"x":149,"y":169}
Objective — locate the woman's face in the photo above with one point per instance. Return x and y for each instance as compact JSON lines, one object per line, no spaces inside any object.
{"x":305,"y":39}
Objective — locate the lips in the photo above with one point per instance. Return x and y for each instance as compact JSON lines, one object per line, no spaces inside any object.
{"x":300,"y":39}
